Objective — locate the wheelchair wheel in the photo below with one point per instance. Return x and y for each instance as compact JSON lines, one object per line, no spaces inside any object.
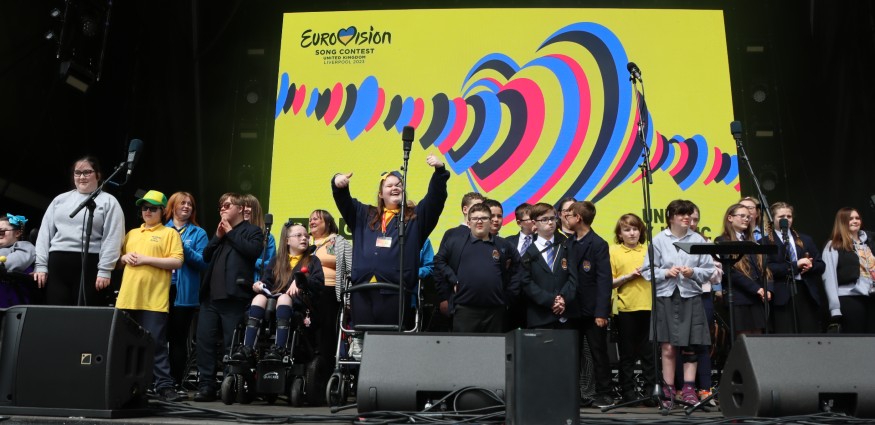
{"x":335,"y":391}
{"x":296,"y":392}
{"x":229,"y":389}
{"x":243,"y":395}
{"x":314,"y":380}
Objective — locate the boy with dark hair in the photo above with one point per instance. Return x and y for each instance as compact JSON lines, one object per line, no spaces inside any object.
{"x":496,"y":215}
{"x":479,"y":270}
{"x":547,"y":281}
{"x":591,"y":256}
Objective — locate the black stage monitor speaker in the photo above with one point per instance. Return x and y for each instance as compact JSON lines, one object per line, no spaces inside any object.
{"x":404,"y":372}
{"x":778,"y":375}
{"x":542,"y":377}
{"x":73,"y":361}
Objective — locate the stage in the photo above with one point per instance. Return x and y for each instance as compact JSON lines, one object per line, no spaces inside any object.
{"x":190,"y":412}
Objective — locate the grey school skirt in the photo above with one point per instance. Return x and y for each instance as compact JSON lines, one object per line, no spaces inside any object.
{"x":681,"y":321}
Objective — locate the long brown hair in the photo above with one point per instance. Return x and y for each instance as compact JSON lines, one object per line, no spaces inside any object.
{"x":743,"y":265}
{"x":375,"y":214}
{"x":841,"y":237}
{"x":282,"y":269}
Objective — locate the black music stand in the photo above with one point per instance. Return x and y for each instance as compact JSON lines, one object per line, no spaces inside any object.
{"x":727,"y":253}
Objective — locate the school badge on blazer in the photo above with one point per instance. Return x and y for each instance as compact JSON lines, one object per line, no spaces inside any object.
{"x":587,"y":266}
{"x":564,"y":264}
{"x":495,"y":255}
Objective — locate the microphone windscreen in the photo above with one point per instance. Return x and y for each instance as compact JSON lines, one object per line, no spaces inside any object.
{"x":783,"y":224}
{"x":631,"y":67}
{"x":268,"y":219}
{"x":407,"y":133}
{"x":735,"y":127}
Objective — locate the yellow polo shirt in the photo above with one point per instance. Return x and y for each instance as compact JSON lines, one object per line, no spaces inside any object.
{"x":634,"y":295}
{"x":148,"y":287}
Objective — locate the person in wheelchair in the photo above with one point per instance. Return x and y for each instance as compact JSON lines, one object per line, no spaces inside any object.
{"x":295,"y":279}
{"x":18,"y":256}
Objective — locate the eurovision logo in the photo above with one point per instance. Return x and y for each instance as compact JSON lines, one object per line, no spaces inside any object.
{"x":344,"y":37}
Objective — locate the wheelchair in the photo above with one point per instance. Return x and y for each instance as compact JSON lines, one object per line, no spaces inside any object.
{"x":294,"y":375}
{"x":342,"y":383}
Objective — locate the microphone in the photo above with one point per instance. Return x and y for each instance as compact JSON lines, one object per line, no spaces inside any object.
{"x":784,"y":225}
{"x":134,"y":149}
{"x":633,"y":69}
{"x":407,"y":138}
{"x":735,"y":128}
{"x":268,"y":222}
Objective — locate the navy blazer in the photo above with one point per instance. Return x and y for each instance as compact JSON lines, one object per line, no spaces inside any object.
{"x":591,"y":257}
{"x":779,"y":266}
{"x":245,"y":242}
{"x":449,"y":255}
{"x":444,"y":290}
{"x":541,"y":283}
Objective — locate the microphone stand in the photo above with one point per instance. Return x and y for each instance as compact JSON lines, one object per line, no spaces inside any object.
{"x":402,"y":231}
{"x":764,"y":206}
{"x":267,"y":226}
{"x":646,"y":182}
{"x":89,"y":224}
{"x":791,"y":277}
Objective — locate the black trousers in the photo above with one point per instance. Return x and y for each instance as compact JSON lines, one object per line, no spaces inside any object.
{"x":326,"y":322}
{"x":62,"y":284}
{"x":373,"y":308}
{"x":634,"y":344}
{"x":479,"y":319}
{"x":858,"y":314}
{"x":178,"y":329}
{"x":217,"y":320}
{"x":597,"y":339}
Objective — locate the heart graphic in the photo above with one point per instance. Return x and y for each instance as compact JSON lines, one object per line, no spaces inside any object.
{"x":345,"y":35}
{"x":504,"y":113}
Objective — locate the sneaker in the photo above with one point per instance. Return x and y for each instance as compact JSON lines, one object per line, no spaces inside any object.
{"x":703,"y":394}
{"x":688,"y":395}
{"x":602,"y":400}
{"x":667,"y":399}
{"x":183,"y":394}
{"x":585,"y":401}
{"x":205,"y":395}
{"x":274,"y":353}
{"x":168,"y":394}
{"x":355,"y":347}
{"x":243,"y":354}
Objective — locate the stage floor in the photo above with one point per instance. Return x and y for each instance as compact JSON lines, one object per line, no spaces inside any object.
{"x":190,"y":412}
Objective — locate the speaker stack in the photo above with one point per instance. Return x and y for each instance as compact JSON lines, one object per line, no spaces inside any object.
{"x":73,"y":361}
{"x":787,"y":375}
{"x":534,"y":372}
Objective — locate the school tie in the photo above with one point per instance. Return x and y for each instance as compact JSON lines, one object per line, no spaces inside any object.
{"x":526,"y":242}
{"x":551,"y":253}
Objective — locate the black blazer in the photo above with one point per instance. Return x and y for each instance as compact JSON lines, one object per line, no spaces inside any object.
{"x":744,"y":287}
{"x":541,"y":283}
{"x":443,"y":289}
{"x":592,"y":259}
{"x":244,"y":242}
{"x":449,"y":255}
{"x":778,"y":265}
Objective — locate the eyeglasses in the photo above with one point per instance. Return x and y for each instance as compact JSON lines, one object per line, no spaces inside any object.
{"x":227,"y":205}
{"x":3,"y":232}
{"x":525,"y":220}
{"x":478,"y":219}
{"x":80,"y":173}
{"x":150,"y":208}
{"x":546,"y":219}
{"x":742,"y":216}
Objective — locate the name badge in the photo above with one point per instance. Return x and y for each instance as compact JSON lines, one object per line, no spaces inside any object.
{"x":384,"y":242}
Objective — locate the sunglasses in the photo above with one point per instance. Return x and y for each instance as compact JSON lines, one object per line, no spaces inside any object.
{"x":227,"y":205}
{"x":3,"y":231}
{"x":150,"y":208}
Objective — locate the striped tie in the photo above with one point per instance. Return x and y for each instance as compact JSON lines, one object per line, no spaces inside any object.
{"x":551,"y":253}
{"x":526,"y":242}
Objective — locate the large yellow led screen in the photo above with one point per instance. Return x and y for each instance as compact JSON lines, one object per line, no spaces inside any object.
{"x":523,"y":105}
